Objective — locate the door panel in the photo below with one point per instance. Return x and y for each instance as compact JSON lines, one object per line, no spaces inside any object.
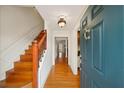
{"x":97,"y":48}
{"x":102,"y":63}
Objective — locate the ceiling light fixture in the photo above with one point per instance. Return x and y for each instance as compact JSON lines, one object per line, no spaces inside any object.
{"x":61,"y":21}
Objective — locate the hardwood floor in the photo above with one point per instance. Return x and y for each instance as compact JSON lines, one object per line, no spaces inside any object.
{"x":61,"y":76}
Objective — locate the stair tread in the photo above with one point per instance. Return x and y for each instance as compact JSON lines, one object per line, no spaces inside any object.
{"x":27,"y":64}
{"x":19,"y":78}
{"x":29,"y":51}
{"x":26,"y":57}
{"x":19,"y":73}
{"x":23,"y":62}
{"x":5,"y":84}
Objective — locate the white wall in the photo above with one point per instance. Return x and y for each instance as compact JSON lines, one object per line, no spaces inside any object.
{"x":74,"y":44}
{"x":18,"y":27}
{"x":73,"y":55}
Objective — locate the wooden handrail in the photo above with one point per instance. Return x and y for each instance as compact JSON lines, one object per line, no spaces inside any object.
{"x":42,"y":41}
{"x":39,"y":45}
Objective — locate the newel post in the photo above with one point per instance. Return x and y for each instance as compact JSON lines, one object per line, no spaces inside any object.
{"x":35,"y":64}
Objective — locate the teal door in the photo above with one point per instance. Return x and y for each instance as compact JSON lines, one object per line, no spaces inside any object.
{"x":102,"y":63}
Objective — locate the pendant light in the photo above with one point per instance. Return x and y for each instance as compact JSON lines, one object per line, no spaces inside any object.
{"x":61,"y":21}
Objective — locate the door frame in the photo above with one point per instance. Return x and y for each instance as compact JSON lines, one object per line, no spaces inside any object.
{"x":54,"y":50}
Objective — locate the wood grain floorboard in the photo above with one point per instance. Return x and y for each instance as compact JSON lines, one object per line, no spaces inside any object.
{"x":61,"y":76}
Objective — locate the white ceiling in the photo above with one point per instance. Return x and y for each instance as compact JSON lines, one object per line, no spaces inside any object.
{"x":51,"y":14}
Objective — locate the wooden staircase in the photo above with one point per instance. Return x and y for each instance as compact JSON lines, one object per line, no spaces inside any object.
{"x":22,"y":73}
